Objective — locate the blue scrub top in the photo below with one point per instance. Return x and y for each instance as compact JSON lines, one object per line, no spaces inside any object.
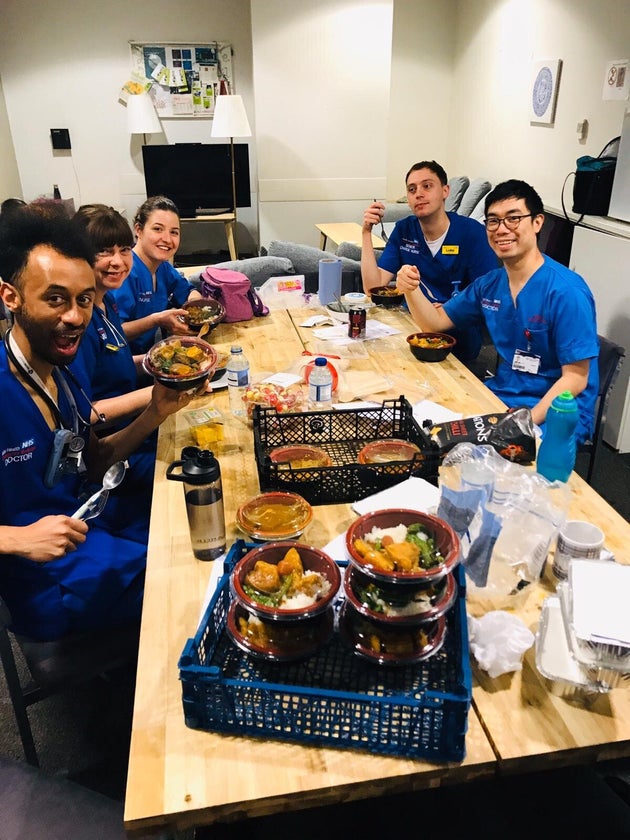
{"x":104,"y":356}
{"x":553,"y":318}
{"x":99,"y":584}
{"x":463,"y":256}
{"x":137,"y":298}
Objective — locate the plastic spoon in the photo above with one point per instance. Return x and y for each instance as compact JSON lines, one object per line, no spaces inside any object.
{"x":96,"y":502}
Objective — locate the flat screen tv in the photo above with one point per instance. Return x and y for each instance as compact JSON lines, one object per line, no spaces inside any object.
{"x":198,"y":176}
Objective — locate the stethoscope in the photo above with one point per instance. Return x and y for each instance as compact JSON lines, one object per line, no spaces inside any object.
{"x":20,"y":362}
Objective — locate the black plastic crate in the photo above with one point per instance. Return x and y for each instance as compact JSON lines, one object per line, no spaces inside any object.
{"x":333,"y":698}
{"x":342,"y":434}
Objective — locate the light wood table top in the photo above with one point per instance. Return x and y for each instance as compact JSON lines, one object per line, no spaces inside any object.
{"x":339,"y":232}
{"x":182,"y":777}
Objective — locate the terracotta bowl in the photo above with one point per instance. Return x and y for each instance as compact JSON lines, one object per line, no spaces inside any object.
{"x":384,"y":451}
{"x":203,"y":311}
{"x":446,"y":544}
{"x":299,"y":456}
{"x":384,"y":644}
{"x":277,"y":642}
{"x":203,"y":362}
{"x":396,"y":604}
{"x":313,"y":560}
{"x":274,"y":516}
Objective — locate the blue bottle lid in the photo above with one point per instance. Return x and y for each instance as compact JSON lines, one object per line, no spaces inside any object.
{"x":564,"y":401}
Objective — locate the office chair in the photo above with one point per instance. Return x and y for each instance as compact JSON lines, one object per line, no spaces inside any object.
{"x":610,"y":359}
{"x":59,"y":665}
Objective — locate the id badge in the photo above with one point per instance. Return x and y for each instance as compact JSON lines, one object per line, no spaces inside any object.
{"x":525,"y":362}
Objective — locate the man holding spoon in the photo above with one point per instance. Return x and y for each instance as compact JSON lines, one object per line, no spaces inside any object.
{"x":448,"y":250}
{"x":57,"y":575}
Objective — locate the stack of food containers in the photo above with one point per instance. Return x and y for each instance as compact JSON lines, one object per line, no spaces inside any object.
{"x":283,"y":601}
{"x":398,"y":586}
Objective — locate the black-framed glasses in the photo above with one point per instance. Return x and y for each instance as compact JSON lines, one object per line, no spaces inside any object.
{"x":511,"y":222}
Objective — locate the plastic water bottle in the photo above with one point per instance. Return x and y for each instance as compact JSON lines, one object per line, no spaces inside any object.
{"x":320,"y":386}
{"x":556,"y":455}
{"x":238,"y":379}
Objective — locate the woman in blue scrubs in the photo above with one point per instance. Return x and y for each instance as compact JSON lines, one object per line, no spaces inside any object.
{"x":151,"y":296}
{"x":104,"y":359}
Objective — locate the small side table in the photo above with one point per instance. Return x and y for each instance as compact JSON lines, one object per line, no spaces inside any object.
{"x":344,"y":232}
{"x":228,"y":220}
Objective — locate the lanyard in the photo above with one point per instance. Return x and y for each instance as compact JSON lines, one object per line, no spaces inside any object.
{"x":119,"y":338}
{"x":19,"y":360}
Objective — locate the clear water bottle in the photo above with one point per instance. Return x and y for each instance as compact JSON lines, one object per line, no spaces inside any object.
{"x":556,"y":454}
{"x":320,"y":386}
{"x":199,"y":470}
{"x":238,"y":380}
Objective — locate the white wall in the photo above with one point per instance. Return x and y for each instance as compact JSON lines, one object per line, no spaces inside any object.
{"x":62,"y":65}
{"x":497,"y":40}
{"x":423,"y":55}
{"x":321,"y":77}
{"x":316,"y":77}
{"x":10,"y":186}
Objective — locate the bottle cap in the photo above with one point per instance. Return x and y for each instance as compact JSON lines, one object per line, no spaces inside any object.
{"x":564,"y":401}
{"x":320,"y":361}
{"x":236,"y":348}
{"x":199,"y":466}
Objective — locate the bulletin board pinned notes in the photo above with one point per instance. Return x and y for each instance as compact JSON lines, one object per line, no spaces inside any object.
{"x":183,"y":80}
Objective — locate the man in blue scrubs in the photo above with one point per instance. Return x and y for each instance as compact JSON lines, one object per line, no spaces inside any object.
{"x":59,"y":575}
{"x":540,"y":315}
{"x":448,"y":250}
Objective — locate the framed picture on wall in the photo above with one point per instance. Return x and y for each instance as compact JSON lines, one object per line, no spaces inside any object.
{"x":544,"y":91}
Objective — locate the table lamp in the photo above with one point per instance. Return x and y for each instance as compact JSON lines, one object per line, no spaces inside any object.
{"x":141,"y":116}
{"x":230,"y":120}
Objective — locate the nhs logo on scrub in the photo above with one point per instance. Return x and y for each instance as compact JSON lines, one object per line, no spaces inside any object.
{"x":18,"y":454}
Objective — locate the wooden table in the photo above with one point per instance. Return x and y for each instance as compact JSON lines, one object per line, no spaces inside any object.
{"x":182,"y":777}
{"x":344,"y":232}
{"x":229,"y":220}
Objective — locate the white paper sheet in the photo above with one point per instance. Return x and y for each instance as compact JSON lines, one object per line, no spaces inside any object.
{"x":427,"y":410}
{"x":601,"y":594}
{"x":412,"y":493}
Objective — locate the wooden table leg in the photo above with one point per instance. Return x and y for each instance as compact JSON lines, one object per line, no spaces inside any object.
{"x":229,"y":234}
{"x":322,"y":241}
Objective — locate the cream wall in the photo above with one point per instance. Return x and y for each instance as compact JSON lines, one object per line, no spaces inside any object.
{"x":316,"y":77}
{"x":62,"y":64}
{"x":423,"y":58}
{"x":496,"y":42}
{"x":10,"y":186}
{"x":322,"y":79}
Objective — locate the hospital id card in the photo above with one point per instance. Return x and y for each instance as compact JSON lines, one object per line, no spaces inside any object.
{"x":525,"y":362}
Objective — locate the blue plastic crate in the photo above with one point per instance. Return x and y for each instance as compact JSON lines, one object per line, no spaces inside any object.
{"x":418,"y":711}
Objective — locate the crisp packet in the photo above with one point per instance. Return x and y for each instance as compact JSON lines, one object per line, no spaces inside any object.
{"x":206,"y":426}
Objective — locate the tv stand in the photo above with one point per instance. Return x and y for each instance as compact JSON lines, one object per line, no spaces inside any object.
{"x":212,"y":211}
{"x":228,"y":220}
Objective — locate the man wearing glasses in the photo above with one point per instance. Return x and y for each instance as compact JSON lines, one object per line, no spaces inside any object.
{"x":540,"y":315}
{"x":448,"y":250}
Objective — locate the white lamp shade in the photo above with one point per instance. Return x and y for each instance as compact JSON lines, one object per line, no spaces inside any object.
{"x":141,"y":115}
{"x":230,"y":119}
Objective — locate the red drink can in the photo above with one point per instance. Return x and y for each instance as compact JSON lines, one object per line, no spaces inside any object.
{"x":356,"y":322}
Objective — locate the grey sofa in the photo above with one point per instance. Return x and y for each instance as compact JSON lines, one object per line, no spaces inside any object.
{"x":280,"y":258}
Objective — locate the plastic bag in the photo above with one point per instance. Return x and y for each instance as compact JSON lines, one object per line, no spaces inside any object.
{"x":504,"y":514}
{"x":285,"y":293}
{"x":498,"y":642}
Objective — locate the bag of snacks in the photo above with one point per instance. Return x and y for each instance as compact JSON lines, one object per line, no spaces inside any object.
{"x":511,"y":434}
